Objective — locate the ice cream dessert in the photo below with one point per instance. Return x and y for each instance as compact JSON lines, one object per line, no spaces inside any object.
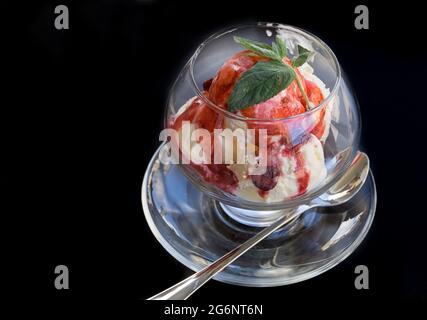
{"x":265,"y":89}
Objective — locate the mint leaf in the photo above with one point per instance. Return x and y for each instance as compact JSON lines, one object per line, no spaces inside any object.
{"x":266,"y":79}
{"x":260,"y":83}
{"x":276,"y":49}
{"x":260,"y":48}
{"x":281,"y":47}
{"x":303,"y":56}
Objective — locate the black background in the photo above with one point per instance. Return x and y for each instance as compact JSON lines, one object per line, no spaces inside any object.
{"x":86,"y":106}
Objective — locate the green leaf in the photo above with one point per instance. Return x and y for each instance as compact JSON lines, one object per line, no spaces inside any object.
{"x":277,"y":50}
{"x":282,"y":46}
{"x":261,"y":49}
{"x":260,"y":83}
{"x":303,"y":56}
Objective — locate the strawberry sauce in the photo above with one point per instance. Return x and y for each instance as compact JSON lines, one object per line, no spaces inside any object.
{"x":287,"y":103}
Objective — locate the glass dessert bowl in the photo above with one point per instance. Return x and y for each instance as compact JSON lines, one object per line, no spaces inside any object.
{"x":307,"y":147}
{"x":259,"y":121}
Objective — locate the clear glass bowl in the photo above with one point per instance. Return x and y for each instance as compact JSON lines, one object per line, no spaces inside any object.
{"x":335,"y":122}
{"x":198,"y":221}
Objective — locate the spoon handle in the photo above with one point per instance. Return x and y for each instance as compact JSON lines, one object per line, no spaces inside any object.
{"x":188,"y":286}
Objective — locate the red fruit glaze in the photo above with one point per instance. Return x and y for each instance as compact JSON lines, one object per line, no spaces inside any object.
{"x":223,"y":83}
{"x":285,"y":104}
{"x":202,"y":116}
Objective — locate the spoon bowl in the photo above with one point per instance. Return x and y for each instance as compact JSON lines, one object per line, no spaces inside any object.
{"x":348,"y":185}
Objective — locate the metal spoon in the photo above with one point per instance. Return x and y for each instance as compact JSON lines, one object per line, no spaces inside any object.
{"x":342,"y":191}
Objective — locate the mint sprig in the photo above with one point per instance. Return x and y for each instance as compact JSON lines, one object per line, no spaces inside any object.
{"x":281,"y":47}
{"x":303,"y":56}
{"x":259,"y":48}
{"x":260,"y":83}
{"x":267,"y":78}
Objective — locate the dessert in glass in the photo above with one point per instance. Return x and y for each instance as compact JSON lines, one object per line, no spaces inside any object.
{"x":263,"y":121}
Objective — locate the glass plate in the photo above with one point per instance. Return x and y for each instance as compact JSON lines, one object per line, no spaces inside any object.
{"x":196,"y":231}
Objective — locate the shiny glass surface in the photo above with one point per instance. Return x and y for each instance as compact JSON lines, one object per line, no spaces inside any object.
{"x":195,"y":230}
{"x":339,"y":146}
{"x":197,"y":221}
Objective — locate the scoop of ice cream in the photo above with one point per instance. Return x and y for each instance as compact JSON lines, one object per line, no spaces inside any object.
{"x":287,"y":103}
{"x":290,"y":173}
{"x":295,"y":160}
{"x":195,"y":114}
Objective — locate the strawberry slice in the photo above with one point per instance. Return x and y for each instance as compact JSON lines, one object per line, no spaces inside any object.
{"x":315,"y":96}
{"x":223,"y":83}
{"x":201,"y":115}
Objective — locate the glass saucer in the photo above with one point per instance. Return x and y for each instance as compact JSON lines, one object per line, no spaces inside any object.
{"x":196,"y":231}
